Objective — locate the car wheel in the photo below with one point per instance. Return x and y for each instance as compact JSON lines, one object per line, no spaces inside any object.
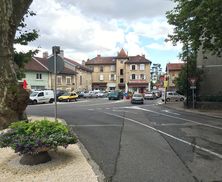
{"x":51,"y":100}
{"x":34,"y":101}
{"x":181,"y":99}
{"x":168,"y":99}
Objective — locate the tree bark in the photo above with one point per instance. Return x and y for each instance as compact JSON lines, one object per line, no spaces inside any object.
{"x":13,"y":98}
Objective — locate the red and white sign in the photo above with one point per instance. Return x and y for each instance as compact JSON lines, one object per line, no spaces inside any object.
{"x":193,"y":81}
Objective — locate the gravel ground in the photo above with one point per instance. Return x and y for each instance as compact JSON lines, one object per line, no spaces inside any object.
{"x":66,"y":165}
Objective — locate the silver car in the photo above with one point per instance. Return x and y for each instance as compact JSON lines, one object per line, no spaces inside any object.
{"x":137,"y":98}
{"x":173,"y":96}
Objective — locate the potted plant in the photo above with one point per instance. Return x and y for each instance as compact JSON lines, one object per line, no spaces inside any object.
{"x":34,"y":139}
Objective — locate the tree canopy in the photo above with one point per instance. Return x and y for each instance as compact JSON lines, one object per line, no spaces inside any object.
{"x":197,"y":24}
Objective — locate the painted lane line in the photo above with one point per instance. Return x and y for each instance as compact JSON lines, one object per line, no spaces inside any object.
{"x":123,"y":111}
{"x":175,"y":117}
{"x":96,"y":125}
{"x":169,"y":135}
{"x":167,"y":111}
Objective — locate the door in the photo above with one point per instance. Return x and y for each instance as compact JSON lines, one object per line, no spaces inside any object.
{"x":41,"y":97}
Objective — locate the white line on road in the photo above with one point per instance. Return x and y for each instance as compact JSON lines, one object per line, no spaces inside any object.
{"x":170,"y":112}
{"x":95,"y":125}
{"x":208,"y":125}
{"x":123,"y":111}
{"x":169,"y":135}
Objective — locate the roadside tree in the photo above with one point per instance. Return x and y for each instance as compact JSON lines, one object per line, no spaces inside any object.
{"x":13,"y":98}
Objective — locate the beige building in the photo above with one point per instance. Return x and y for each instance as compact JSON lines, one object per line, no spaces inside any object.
{"x":123,"y":72}
{"x":173,"y":70}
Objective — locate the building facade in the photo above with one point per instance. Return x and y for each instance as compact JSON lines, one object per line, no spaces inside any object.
{"x":121,"y":72}
{"x":172,"y":71}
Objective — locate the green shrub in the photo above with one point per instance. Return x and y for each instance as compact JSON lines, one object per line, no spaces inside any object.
{"x":31,"y":137}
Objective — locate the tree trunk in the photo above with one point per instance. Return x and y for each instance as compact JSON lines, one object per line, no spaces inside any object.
{"x":13,"y":98}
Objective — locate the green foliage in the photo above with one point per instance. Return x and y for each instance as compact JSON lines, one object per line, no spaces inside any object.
{"x":188,"y":71}
{"x":29,"y":137}
{"x":23,"y":37}
{"x":197,"y":23}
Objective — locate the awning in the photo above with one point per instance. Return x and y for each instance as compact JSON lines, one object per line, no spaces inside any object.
{"x":138,"y":85}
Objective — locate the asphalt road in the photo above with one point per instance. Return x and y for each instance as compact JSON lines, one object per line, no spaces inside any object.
{"x":142,"y":143}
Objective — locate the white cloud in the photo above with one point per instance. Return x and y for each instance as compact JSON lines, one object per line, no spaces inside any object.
{"x":164,"y":46}
{"x":86,"y":28}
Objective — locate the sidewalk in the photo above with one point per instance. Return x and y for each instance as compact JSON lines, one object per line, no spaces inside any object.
{"x":71,"y":164}
{"x":180,"y":106}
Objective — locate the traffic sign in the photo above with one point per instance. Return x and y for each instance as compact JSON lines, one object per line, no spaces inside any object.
{"x":193,"y":87}
{"x":193,"y":80}
{"x":59,"y":64}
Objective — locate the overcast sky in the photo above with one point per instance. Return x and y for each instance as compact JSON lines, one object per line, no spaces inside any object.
{"x":85,"y":28}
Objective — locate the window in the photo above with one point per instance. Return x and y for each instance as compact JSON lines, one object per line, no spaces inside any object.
{"x":101,"y":68}
{"x":133,"y":67}
{"x":68,"y":80}
{"x":112,"y":77}
{"x":39,"y":76}
{"x":121,"y":80}
{"x":133,"y":76}
{"x":101,"y":77}
{"x":112,"y":68}
{"x":40,"y":94}
{"x":142,"y":76}
{"x":142,"y":66}
{"x":121,"y":71}
{"x":80,"y":80}
{"x":59,"y":80}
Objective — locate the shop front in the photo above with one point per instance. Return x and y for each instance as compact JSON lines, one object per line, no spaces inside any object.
{"x":99,"y":86}
{"x":138,"y":87}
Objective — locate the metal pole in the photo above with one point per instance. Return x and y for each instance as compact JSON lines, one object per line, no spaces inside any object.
{"x":187,"y":82}
{"x":193,"y":97}
{"x":55,"y":72}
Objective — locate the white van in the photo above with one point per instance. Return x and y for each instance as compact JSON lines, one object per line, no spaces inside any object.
{"x":173,"y":96}
{"x":42,"y":96}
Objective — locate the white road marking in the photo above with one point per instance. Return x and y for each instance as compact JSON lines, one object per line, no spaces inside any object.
{"x":208,"y":125}
{"x":96,"y":125}
{"x":91,"y":109}
{"x":169,"y":135}
{"x":123,"y":111}
{"x":170,"y":112}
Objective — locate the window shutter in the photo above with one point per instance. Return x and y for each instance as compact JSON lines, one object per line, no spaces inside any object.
{"x":135,"y":67}
{"x":114,"y":77}
{"x":130,"y":67}
{"x":136,"y":77}
{"x":144,"y":77}
{"x":130,"y":77}
{"x":109,"y":77}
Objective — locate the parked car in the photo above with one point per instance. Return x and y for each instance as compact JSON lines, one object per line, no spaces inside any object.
{"x":100,"y":94}
{"x":90,"y":94}
{"x":137,"y":98}
{"x":80,"y":94}
{"x":41,"y":96}
{"x":68,"y":97}
{"x":115,"y":95}
{"x":158,"y":93}
{"x":59,"y":93}
{"x":172,"y":96}
{"x":149,"y":95}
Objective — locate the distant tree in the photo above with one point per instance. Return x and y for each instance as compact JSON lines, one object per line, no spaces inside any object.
{"x":188,"y":71}
{"x":198,"y":24}
{"x":13,"y":98}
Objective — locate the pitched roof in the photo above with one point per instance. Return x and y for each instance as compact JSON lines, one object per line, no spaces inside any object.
{"x":101,"y":61}
{"x":137,"y":60}
{"x":35,"y":65}
{"x":77,"y":64}
{"x":122,"y":54}
{"x":112,"y":60}
{"x":174,"y":66}
{"x":41,"y":65}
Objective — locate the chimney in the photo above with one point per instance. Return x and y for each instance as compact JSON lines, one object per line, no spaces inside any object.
{"x":83,"y":62}
{"x":45,"y":55}
{"x":143,"y":55}
{"x":62,"y":53}
{"x":98,"y":55}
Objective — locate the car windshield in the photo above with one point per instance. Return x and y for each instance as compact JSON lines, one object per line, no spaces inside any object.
{"x":66,"y":94}
{"x":137,"y":95}
{"x":33,"y":94}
